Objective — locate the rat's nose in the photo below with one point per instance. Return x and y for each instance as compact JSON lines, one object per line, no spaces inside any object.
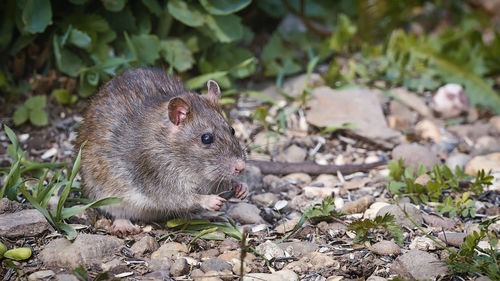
{"x":239,"y":166}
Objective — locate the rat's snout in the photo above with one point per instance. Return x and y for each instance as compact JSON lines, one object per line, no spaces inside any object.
{"x":239,"y":166}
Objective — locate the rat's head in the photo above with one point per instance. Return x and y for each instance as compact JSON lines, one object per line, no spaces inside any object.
{"x":199,"y":139}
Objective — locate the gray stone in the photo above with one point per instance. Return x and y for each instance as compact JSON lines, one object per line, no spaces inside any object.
{"x":293,"y":154}
{"x":215,"y":264}
{"x":452,"y":238}
{"x":457,"y":159}
{"x":245,"y":213}
{"x":418,"y":265}
{"x":179,"y":267}
{"x":22,"y":224}
{"x":160,"y":275}
{"x":85,"y":250}
{"x":41,"y":275}
{"x":438,"y":221}
{"x":399,"y":215}
{"x":413,"y":101}
{"x":8,"y":206}
{"x":298,"y":249}
{"x":360,"y":107}
{"x":147,"y":244}
{"x":270,"y":250}
{"x":252,"y":177}
{"x":282,"y":275}
{"x":266,"y":199}
{"x":489,"y":162}
{"x":385,"y":248}
{"x":66,"y":277}
{"x":414,"y":155}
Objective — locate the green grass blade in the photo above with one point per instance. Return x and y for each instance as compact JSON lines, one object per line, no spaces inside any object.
{"x":67,"y":188}
{"x":12,"y":137}
{"x":68,"y":212}
{"x":12,"y":172}
{"x":37,"y":206}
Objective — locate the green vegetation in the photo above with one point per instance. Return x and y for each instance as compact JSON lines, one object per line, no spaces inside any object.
{"x":363,"y":228}
{"x":39,"y":194}
{"x":17,"y":254}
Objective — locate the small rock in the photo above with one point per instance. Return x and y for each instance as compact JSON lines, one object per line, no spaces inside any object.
{"x":450,"y":101}
{"x":108,"y":266}
{"x":318,"y":192}
{"x":298,"y":249}
{"x":399,"y":215}
{"x":401,"y":117}
{"x":265,"y":141}
{"x":23,"y":223}
{"x":356,"y":183}
{"x":85,"y":250}
{"x":293,"y":154}
{"x":487,"y":144}
{"x":457,"y":159}
{"x":179,"y":267}
{"x":423,"y":243}
{"x":66,"y":277}
{"x":418,"y":265}
{"x":385,"y":248}
{"x":358,"y":206}
{"x":376,"y":278}
{"x":171,"y":250}
{"x":371,"y":213}
{"x":326,"y":180}
{"x":286,"y":226}
{"x":428,"y":130}
{"x":252,"y":177}
{"x":266,"y":199}
{"x":438,"y":221}
{"x":163,"y":274}
{"x":472,"y":131}
{"x":495,"y":121}
{"x":270,"y":250}
{"x":414,"y":155}
{"x":298,"y":178}
{"x":146,"y":245}
{"x":197,"y":274}
{"x":212,"y":276}
{"x":245,"y":213}
{"x":41,"y":275}
{"x":452,"y":238}
{"x":295,"y":86}
{"x":412,"y":100}
{"x":8,"y":206}
{"x":282,"y":275}
{"x":320,"y":260}
{"x":423,"y":179}
{"x":359,"y":106}
{"x":215,"y":264}
{"x":489,"y":162}
{"x":210,"y":253}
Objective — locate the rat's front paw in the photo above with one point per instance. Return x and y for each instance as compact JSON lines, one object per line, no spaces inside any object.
{"x":240,"y":191}
{"x":212,"y":202}
{"x":124,"y":227}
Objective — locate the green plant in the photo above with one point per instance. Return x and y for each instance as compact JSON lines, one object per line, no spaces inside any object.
{"x":82,"y":274}
{"x":362,"y":228}
{"x":462,"y":206}
{"x":63,"y":96}
{"x":33,"y":111}
{"x":17,"y":254}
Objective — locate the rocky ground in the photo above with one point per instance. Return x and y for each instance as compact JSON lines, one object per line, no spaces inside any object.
{"x":373,"y":125}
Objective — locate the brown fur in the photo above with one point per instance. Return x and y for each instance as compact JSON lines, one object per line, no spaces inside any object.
{"x":135,"y":152}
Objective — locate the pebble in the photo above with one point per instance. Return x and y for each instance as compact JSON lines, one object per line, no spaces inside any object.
{"x":327,"y":180}
{"x":286,"y":226}
{"x":358,"y":206}
{"x":147,"y":244}
{"x":320,"y":260}
{"x":8,"y":206}
{"x":266,"y":199}
{"x":457,"y":159}
{"x":400,"y":217}
{"x":282,"y":275}
{"x":371,"y":213}
{"x":245,"y":213}
{"x":179,"y":267}
{"x":170,"y":250}
{"x":312,"y":192}
{"x":270,"y":250}
{"x":385,"y":248}
{"x":298,"y":249}
{"x":423,"y":243}
{"x":41,"y":275}
{"x":438,"y":221}
{"x":85,"y":250}
{"x":452,"y":238}
{"x":298,"y":178}
{"x":293,"y":154}
{"x":24,"y":223}
{"x":66,"y":277}
{"x":489,"y":162}
{"x":414,"y":155}
{"x":428,"y":130}
{"x":215,"y":264}
{"x":418,"y":265}
{"x":412,"y":100}
{"x":163,"y":274}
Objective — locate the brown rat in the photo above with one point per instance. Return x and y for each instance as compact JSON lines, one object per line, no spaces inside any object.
{"x":160,"y":147}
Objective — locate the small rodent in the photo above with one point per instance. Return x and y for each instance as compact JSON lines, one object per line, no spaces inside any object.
{"x":163,"y":149}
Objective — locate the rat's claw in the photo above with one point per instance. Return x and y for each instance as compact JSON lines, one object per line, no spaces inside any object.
{"x":124,"y":227}
{"x":212,"y":202}
{"x":240,"y":191}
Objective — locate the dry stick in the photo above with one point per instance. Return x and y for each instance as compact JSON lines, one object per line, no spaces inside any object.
{"x":267,"y":167}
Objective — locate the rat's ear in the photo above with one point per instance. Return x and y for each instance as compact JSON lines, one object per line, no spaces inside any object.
{"x":213,"y":91}
{"x":178,"y":110}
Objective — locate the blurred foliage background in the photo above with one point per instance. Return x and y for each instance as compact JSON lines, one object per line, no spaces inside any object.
{"x":66,"y":49}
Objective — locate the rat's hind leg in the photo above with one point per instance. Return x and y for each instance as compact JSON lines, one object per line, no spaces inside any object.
{"x":124,"y":227}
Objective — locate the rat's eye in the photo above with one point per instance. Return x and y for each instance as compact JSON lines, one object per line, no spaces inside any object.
{"x":232,"y":130}
{"x":207,"y":138}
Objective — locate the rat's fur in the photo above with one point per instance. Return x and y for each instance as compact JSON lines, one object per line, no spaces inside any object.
{"x":135,"y":152}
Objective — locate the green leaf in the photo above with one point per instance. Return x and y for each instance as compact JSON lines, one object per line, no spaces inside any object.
{"x":68,"y":212}
{"x":66,"y":61}
{"x":260,"y":96}
{"x":185,"y":13}
{"x":199,"y":81}
{"x":114,"y":5}
{"x":153,"y":6}
{"x":67,"y":188}
{"x":80,"y":39}
{"x":81,"y":273}
{"x":36,"y":102}
{"x":37,"y":15}
{"x":62,"y":96}
{"x":225,"y":28}
{"x":39,"y":117}
{"x":147,"y":47}
{"x":12,"y":137}
{"x":176,"y":53}
{"x":224,"y":7}
{"x":68,"y":229}
{"x":21,"y":115}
